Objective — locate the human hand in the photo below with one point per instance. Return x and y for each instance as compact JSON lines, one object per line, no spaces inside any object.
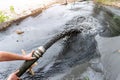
{"x":13,"y":76}
{"x":28,"y":56}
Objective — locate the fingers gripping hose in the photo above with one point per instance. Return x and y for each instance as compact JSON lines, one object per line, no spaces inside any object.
{"x":41,"y":50}
{"x":27,"y":64}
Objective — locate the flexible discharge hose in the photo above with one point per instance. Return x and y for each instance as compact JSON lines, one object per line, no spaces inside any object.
{"x":41,"y":50}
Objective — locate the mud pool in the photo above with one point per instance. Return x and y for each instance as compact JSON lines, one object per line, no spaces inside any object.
{"x":86,"y":55}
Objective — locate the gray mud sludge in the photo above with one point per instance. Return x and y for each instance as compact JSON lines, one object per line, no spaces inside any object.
{"x":108,"y":41}
{"x":63,"y":56}
{"x":76,"y":51}
{"x":75,"y":57}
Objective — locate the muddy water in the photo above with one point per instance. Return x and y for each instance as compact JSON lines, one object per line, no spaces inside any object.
{"x":72,"y":58}
{"x":108,"y":41}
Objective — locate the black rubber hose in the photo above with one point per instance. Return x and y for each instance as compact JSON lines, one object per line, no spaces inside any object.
{"x":41,"y":50}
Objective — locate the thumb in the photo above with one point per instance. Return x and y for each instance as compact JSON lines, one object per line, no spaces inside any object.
{"x":32,"y":52}
{"x":16,"y":71}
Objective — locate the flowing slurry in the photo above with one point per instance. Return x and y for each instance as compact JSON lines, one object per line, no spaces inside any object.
{"x":71,"y":58}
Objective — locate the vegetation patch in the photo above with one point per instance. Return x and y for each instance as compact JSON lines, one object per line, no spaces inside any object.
{"x":86,"y":78}
{"x":12,"y":9}
{"x":3,"y":17}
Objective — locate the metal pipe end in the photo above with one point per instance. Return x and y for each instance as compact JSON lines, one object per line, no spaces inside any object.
{"x":42,"y":49}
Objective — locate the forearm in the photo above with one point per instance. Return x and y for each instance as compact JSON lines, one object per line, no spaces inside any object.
{"x":8,"y":56}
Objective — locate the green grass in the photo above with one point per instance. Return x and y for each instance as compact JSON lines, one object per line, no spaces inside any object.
{"x":12,"y":9}
{"x":3,"y":17}
{"x":86,"y":78}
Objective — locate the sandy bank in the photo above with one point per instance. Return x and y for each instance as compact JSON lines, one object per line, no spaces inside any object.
{"x":25,"y":8}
